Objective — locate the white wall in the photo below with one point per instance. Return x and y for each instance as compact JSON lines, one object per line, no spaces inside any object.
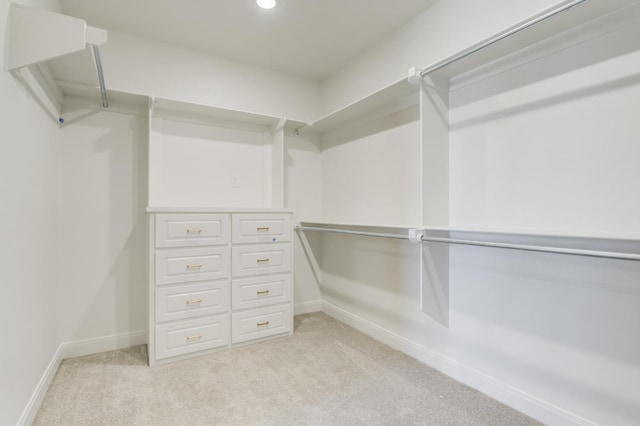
{"x":132,"y":64}
{"x":552,"y":146}
{"x":102,"y":251}
{"x":196,"y":164}
{"x":371,"y":172}
{"x":29,"y":188}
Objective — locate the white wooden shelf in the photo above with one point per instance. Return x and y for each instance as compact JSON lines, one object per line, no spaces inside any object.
{"x":393,"y":97}
{"x":37,"y":37}
{"x":205,"y":209}
{"x":173,"y":108}
{"x":556,"y":32}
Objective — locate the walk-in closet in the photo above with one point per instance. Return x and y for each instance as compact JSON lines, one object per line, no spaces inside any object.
{"x":449,"y":201}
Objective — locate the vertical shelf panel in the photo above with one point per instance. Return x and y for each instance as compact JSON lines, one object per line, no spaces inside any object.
{"x":434,"y":140}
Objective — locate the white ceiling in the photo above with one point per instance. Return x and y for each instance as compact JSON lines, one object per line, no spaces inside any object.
{"x":309,"y":38}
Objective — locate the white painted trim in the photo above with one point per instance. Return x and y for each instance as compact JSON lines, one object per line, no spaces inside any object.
{"x":30,"y":411}
{"x":307,"y":307}
{"x":503,"y":392}
{"x":71,"y":350}
{"x":103,"y":344}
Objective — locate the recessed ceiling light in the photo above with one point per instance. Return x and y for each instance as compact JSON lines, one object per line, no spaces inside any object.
{"x":266,"y":4}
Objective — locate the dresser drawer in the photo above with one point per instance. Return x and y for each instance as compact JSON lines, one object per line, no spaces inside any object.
{"x":182,"y":230}
{"x":195,"y":264}
{"x":261,"y":259}
{"x":191,"y":300}
{"x":260,"y":228}
{"x":261,"y":322}
{"x":185,"y":337}
{"x":260,"y":291}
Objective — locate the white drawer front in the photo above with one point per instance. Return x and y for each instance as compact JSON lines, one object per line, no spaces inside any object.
{"x":190,"y":336}
{"x":191,"y":300}
{"x":261,"y":228}
{"x":261,"y":322}
{"x":260,"y":291}
{"x":197,"y":264}
{"x":261,"y":259}
{"x":182,"y":230}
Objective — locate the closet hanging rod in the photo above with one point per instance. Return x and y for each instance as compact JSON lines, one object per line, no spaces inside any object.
{"x":346,"y":231}
{"x":103,"y":89}
{"x":420,"y":237}
{"x":543,"y":249}
{"x":499,"y":37}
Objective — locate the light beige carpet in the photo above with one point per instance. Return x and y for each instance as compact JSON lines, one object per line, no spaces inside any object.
{"x":325,"y":374}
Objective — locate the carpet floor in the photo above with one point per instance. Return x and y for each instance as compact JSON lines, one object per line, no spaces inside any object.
{"x":327,"y":373}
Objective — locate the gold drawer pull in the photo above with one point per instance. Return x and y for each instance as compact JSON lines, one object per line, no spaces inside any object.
{"x":195,"y":266}
{"x":263,"y":292}
{"x":194,"y":301}
{"x":194,"y":230}
{"x":262,"y":260}
{"x":194,"y":337}
{"x":262,"y":228}
{"x":260,"y":324}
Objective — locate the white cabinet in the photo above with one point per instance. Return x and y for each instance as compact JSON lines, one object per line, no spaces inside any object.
{"x":216,"y":279}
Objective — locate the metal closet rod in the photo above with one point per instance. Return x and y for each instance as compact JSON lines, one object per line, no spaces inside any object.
{"x":103,"y":89}
{"x":500,"y":37}
{"x":424,"y":238}
{"x":346,"y":231}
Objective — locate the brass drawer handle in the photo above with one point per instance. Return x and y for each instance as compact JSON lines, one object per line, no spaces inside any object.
{"x":263,"y":292}
{"x":262,"y":229}
{"x":194,"y":301}
{"x":262,"y":260}
{"x":194,"y":337}
{"x":194,"y":230}
{"x":260,"y":324}
{"x":195,"y":266}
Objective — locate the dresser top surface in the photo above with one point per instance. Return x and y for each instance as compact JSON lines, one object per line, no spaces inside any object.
{"x":205,"y":209}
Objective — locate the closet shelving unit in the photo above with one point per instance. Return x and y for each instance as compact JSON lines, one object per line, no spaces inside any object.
{"x":216,"y":173}
{"x":397,"y":95}
{"x":531,"y":38}
{"x":37,"y":40}
{"x":554,"y":30}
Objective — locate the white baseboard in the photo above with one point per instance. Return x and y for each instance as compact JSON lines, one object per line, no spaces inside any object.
{"x":307,"y":307}
{"x":503,"y":392}
{"x":72,"y":350}
{"x":103,"y":344}
{"x":30,"y":411}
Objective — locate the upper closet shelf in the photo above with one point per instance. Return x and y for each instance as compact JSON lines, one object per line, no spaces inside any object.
{"x":210,"y":114}
{"x":37,"y":37}
{"x":393,"y":97}
{"x":557,"y":28}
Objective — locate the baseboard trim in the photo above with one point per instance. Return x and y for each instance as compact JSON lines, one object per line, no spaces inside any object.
{"x":71,"y":350}
{"x":30,"y":411}
{"x":103,"y":344}
{"x":503,"y":392}
{"x":307,"y":307}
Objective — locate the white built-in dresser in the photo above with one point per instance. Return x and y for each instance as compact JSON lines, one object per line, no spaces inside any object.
{"x":217,"y":279}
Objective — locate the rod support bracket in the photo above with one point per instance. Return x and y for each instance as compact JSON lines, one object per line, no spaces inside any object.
{"x":415,"y":76}
{"x":416,"y":234}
